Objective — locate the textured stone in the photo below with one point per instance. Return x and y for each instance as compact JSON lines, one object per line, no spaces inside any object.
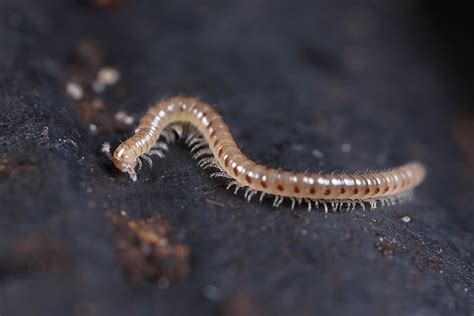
{"x":311,"y":85}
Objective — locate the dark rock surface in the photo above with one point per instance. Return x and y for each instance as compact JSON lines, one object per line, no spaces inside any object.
{"x":317,"y":85}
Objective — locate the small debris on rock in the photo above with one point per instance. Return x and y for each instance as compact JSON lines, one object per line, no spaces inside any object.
{"x":404,"y":217}
{"x":106,"y":3}
{"x":318,"y":154}
{"x":384,"y":249}
{"x":430,"y":262}
{"x":88,"y":54}
{"x":93,"y":128}
{"x":124,"y":118}
{"x":18,"y":167}
{"x":346,"y":147}
{"x":95,"y":114}
{"x":74,"y":90}
{"x":240,"y":305}
{"x":146,"y":249}
{"x":36,"y":251}
{"x":214,"y":202}
{"x":84,"y":60}
{"x":45,"y":133}
{"x":384,"y":246}
{"x":212,"y":292}
{"x":427,"y":258}
{"x":107,"y":76}
{"x":90,"y":109}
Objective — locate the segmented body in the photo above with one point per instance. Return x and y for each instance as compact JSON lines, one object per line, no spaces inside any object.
{"x":216,"y":148}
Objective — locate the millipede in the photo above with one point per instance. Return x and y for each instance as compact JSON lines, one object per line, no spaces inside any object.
{"x":211,"y":142}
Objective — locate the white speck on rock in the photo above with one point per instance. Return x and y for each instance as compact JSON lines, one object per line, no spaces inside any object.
{"x":108,"y":76}
{"x":74,"y":90}
{"x":212,"y":292}
{"x":123,"y":117}
{"x":93,"y":128}
{"x":346,"y":147}
{"x":318,"y":154}
{"x":45,"y":133}
{"x":406,"y":218}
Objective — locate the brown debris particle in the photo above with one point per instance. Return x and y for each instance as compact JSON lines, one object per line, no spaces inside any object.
{"x":14,"y":168}
{"x":86,"y":77}
{"x":240,"y":305}
{"x":84,"y":60}
{"x":385,"y":249}
{"x":427,"y":258}
{"x":214,"y":202}
{"x":89,"y":53}
{"x":37,"y":251}
{"x":146,"y":250}
{"x":105,"y":3}
{"x":431,"y":262}
{"x":94,"y":114}
{"x":384,"y":246}
{"x":90,"y":110}
{"x":463,"y":131}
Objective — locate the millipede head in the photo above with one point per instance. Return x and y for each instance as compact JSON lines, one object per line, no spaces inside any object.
{"x":122,"y":159}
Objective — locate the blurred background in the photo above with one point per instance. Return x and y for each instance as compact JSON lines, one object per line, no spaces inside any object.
{"x":303,"y":85}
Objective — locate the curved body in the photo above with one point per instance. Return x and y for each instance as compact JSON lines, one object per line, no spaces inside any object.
{"x":258,"y":178}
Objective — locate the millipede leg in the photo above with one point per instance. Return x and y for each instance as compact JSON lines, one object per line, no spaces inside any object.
{"x":251,"y":194}
{"x":139,"y":163}
{"x":178,"y":129}
{"x":220,"y":174}
{"x":202,"y":152}
{"x":361,"y":203}
{"x":161,"y":146}
{"x":278,"y":200}
{"x":168,"y":135}
{"x":293,"y":202}
{"x":155,"y":152}
{"x":194,"y":138}
{"x":191,"y":138}
{"x":196,"y":145}
{"x":204,"y":161}
{"x":349,"y":205}
{"x":148,"y":160}
{"x":326,"y":210}
{"x":208,"y":162}
{"x":236,"y":184}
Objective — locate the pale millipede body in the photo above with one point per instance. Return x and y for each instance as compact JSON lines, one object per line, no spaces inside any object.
{"x":210,"y":140}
